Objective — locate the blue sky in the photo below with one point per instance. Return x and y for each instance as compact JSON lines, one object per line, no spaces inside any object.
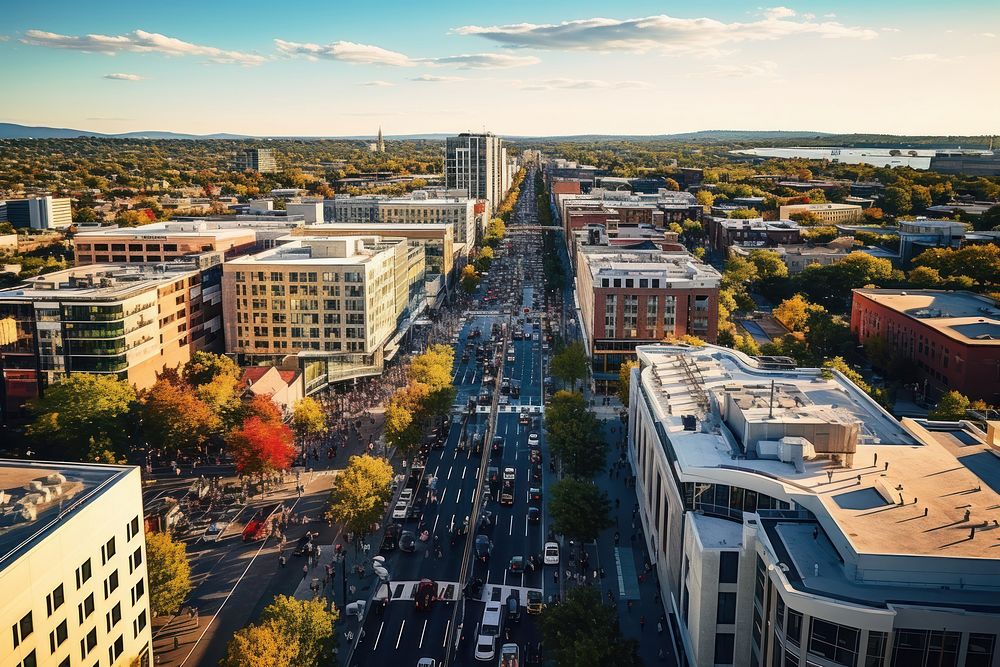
{"x":553,"y":67}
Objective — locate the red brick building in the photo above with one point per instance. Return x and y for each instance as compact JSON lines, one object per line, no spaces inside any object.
{"x":953,"y":338}
{"x":632,"y":297}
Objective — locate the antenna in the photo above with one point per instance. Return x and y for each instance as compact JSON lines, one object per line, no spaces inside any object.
{"x":770,"y":403}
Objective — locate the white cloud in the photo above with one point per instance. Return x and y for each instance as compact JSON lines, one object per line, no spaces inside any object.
{"x":991,"y":35}
{"x":926,"y":58}
{"x":139,"y":41}
{"x":123,"y":77}
{"x":761,"y":69}
{"x":367,"y":54}
{"x":890,"y":29}
{"x":582,"y":84}
{"x":483,"y":61}
{"x":378,"y":83}
{"x":662,"y":33}
{"x":349,"y":52}
{"x":430,"y":78}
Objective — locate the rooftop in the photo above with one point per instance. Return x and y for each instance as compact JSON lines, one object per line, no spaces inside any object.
{"x":220,"y":228}
{"x":319,"y":251}
{"x":963,"y":316}
{"x":36,"y":496}
{"x":104,"y":281}
{"x":946,"y":469}
{"x":604,"y":261}
{"x":757,"y":223}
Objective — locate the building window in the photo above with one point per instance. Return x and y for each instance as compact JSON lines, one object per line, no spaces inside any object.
{"x":924,"y":648}
{"x":110,"y":584}
{"x":724,"y":642}
{"x":838,"y":643}
{"x":135,"y":560}
{"x":876,"y":649}
{"x":116,"y":649}
{"x":108,"y":551}
{"x":794,"y":632}
{"x":58,"y":636}
{"x":88,"y":643}
{"x":726,"y":610}
{"x":85,"y":608}
{"x":980,"y":650}
{"x":729,"y":567}
{"x":139,"y":624}
{"x":30,"y":660}
{"x":83,"y":573}
{"x":132,"y":529}
{"x":22,"y":629}
{"x":55,"y":599}
{"x":138,"y":591}
{"x":113,"y":616}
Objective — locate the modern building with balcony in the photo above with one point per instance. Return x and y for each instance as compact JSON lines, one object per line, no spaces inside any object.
{"x":792,"y":521}
{"x":631,"y":297}
{"x":73,"y":566}
{"x":335,"y":307}
{"x":129,"y":321}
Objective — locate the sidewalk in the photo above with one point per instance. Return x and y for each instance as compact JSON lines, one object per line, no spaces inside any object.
{"x":632,"y":587}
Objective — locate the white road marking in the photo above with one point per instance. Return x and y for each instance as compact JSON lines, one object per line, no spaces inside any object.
{"x":449,"y":472}
{"x":379,"y":635}
{"x":434,"y":529}
{"x":447,"y":626}
{"x":400,"y":637}
{"x":422,"y":632}
{"x":463,"y":472}
{"x":511,"y":530}
{"x":525,"y":526}
{"x":441,"y":499}
{"x":458,"y":498}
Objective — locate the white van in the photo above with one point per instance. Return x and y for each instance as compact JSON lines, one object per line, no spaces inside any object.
{"x":489,"y":630}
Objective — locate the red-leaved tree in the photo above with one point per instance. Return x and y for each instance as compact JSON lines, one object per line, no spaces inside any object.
{"x":261,"y":447}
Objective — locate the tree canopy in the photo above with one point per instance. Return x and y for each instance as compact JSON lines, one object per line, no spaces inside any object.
{"x":583,"y":632}
{"x":306,"y":624}
{"x":951,"y":407}
{"x":174,"y":417}
{"x":265,"y":645}
{"x":307,"y":418}
{"x":169,"y":573}
{"x":574,"y":434}
{"x":261,"y":447}
{"x":570,"y":364}
{"x":360,"y":492}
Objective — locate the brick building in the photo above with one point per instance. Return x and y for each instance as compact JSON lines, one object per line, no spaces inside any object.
{"x":952,"y":338}
{"x":631,"y":297}
{"x":754,"y":233}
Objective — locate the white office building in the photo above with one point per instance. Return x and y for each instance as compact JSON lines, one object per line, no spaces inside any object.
{"x":39,"y":213}
{"x":421,"y":207}
{"x":478,"y":165}
{"x":72,"y":566}
{"x":792,"y":522}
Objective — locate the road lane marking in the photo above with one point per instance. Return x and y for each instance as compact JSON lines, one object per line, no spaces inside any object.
{"x":422,"y":632}
{"x":379,"y":635}
{"x":434,"y":529}
{"x":511,"y":530}
{"x":525,"y":526}
{"x":463,"y":472}
{"x":449,"y":472}
{"x":400,"y":637}
{"x":441,"y":499}
{"x":459,"y":497}
{"x":447,"y":626}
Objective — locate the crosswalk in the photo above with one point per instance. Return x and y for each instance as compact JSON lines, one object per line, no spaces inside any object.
{"x":450,"y":591}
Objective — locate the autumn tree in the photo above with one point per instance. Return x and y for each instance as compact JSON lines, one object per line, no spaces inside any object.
{"x":173,"y":417}
{"x":951,"y":407}
{"x":794,"y":312}
{"x":360,"y":492}
{"x":169,"y":573}
{"x":265,"y":645}
{"x":307,"y":418}
{"x":624,"y":378}
{"x":307,"y":624}
{"x":81,"y":410}
{"x":204,"y":367}
{"x":434,"y":368}
{"x":260,"y":447}
{"x":404,"y":415}
{"x":469,"y":278}
{"x":484,"y":259}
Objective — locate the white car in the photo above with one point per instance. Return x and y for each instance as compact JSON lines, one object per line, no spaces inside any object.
{"x":509,"y":474}
{"x":406,"y":496}
{"x":532,"y":440}
{"x":401,"y":510}
{"x":489,"y":630}
{"x":551,"y":553}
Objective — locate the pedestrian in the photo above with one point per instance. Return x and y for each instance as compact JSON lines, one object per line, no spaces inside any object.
{"x":177,"y":643}
{"x":305,"y":571}
{"x":282,"y":560}
{"x":659,"y":627}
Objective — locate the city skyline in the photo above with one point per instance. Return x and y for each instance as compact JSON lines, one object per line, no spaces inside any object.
{"x":807,"y":66}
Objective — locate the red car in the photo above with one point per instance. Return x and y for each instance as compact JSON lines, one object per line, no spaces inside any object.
{"x":426,"y":594}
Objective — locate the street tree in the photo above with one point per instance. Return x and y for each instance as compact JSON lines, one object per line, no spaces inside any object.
{"x":173,"y":417}
{"x":484,"y":259}
{"x":579,"y":509}
{"x":469,"y":278}
{"x":308,"y":624}
{"x":169,"y":573}
{"x":308,"y":420}
{"x":360,"y":491}
{"x":265,"y":645}
{"x":261,"y":448}
{"x":204,"y":367}
{"x":794,"y":312}
{"x":80,"y":409}
{"x":768,"y":264}
{"x":951,"y":407}
{"x":583,"y":632}
{"x":624,"y":378}
{"x":575,"y":435}
{"x":261,"y":407}
{"x":570,"y":364}
{"x":434,"y":368}
{"x":404,"y":416}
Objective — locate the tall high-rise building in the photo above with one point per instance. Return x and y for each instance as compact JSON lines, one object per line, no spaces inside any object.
{"x":73,"y":566}
{"x":257,"y":159}
{"x":380,"y":142}
{"x":39,"y":213}
{"x":476,"y":163}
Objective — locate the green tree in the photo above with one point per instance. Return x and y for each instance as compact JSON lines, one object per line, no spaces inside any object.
{"x":951,"y":407}
{"x":570,"y":364}
{"x":896,"y":200}
{"x":574,"y":434}
{"x":624,"y":378}
{"x":924,"y":276}
{"x":204,"y":367}
{"x":82,"y":407}
{"x":360,"y":492}
{"x":308,"y":420}
{"x":484,"y":259}
{"x":266,"y":645}
{"x":583,"y":632}
{"x":169,"y":573}
{"x":579,"y":509}
{"x":743,"y":214}
{"x":768,"y":264}
{"x":308,"y":624}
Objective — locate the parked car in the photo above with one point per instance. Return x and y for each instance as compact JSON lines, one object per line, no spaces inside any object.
{"x":551,"y":556}
{"x":426,"y":594}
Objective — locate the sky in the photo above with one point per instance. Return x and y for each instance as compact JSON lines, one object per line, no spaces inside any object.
{"x":550,"y":67}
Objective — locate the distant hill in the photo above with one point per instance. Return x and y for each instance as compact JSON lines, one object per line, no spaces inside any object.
{"x":15,"y":131}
